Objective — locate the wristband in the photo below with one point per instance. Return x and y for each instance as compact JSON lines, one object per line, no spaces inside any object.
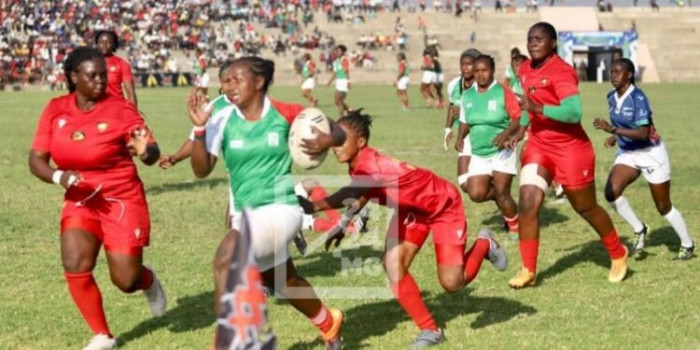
{"x":612,"y":131}
{"x":448,"y":130}
{"x":56,"y":177}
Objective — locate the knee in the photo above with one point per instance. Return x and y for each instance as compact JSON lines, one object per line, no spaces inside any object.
{"x":663,"y":207}
{"x":222,"y":259}
{"x":477,"y":195}
{"x":612,"y":192}
{"x":126,"y":281}
{"x":77,"y":262}
{"x":451,"y":284}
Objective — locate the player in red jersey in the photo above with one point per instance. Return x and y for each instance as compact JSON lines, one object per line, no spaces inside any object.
{"x":424,"y":202}
{"x":91,"y":136}
{"x":557,"y":149}
{"x":119,"y":74}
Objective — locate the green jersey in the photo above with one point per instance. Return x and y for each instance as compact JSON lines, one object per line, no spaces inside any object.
{"x":514,"y":81}
{"x":404,"y":66}
{"x":455,"y":90}
{"x":339,"y":66}
{"x":307,"y":71}
{"x":488,"y":114}
{"x":256,"y":153}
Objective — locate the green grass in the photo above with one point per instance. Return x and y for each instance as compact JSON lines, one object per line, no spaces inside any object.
{"x":574,"y":307}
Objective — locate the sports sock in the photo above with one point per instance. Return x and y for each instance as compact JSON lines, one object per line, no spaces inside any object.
{"x":474,"y":257}
{"x":512,"y":223}
{"x":529,"y":249}
{"x":408,"y":295}
{"x":87,"y":297}
{"x":146,"y":278}
{"x":623,"y":208}
{"x":614,"y":246}
{"x":322,"y":225}
{"x":678,"y":224}
{"x":323,"y":320}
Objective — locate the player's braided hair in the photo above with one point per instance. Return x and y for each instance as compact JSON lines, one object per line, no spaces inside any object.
{"x":224,"y":66}
{"x":627,"y":64}
{"x":358,"y":122}
{"x":115,"y":38}
{"x":259,"y":67}
{"x":75,"y":59}
{"x":488,"y":59}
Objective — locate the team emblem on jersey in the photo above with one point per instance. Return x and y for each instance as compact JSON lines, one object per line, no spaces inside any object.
{"x":102,"y":126}
{"x":77,"y":135}
{"x":61,"y":123}
{"x":112,"y":69}
{"x":137,"y":232}
{"x":543,"y":81}
{"x":492,"y":105}
{"x":273,"y":139}
{"x":531,"y":90}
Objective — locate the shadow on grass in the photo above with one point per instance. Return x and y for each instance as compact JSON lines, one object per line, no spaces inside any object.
{"x":376,"y":319}
{"x":190,"y":313}
{"x":186,"y":186}
{"x":592,"y":251}
{"x":664,"y":236}
{"x":548,"y":216}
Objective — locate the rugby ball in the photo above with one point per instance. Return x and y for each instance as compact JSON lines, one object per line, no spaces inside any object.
{"x":302,"y":128}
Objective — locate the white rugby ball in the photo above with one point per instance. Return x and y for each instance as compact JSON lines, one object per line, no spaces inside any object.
{"x":302,"y":128}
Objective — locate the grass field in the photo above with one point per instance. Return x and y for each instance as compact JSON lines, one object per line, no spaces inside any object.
{"x":573,"y":307}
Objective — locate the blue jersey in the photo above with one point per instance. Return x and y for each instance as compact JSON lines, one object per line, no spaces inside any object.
{"x":630,"y":112}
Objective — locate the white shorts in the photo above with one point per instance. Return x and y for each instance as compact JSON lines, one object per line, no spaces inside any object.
{"x":505,"y":161}
{"x":652,"y":161}
{"x":271,"y":237}
{"x":203,"y":81}
{"x":439,"y":78}
{"x":341,"y":85}
{"x":402,"y":84}
{"x":308,"y":84}
{"x":466,"y":148}
{"x":428,"y":77}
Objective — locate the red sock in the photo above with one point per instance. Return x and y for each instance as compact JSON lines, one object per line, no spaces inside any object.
{"x":146,"y":278}
{"x":318,"y":193}
{"x":512,"y":223}
{"x":529,"y":249}
{"x":612,"y":243}
{"x":323,"y":225}
{"x":323,"y":320}
{"x":408,"y":294}
{"x":474,"y":257}
{"x":87,"y":297}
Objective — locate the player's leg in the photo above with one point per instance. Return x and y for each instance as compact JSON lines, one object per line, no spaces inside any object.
{"x":534,"y":181}
{"x":620,"y":177}
{"x":501,"y":185}
{"x":479,"y":187}
{"x":463,"y":161}
{"x":438,"y":93}
{"x":285,"y":280}
{"x":79,"y":250}
{"x":661,"y":193}
{"x":221,"y":264}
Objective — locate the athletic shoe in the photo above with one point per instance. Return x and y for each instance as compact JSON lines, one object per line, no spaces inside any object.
{"x":101,"y":341}
{"x":639,"y":239}
{"x":686,"y":253}
{"x":523,"y":279}
{"x":332,"y":338}
{"x":497,"y":256}
{"x":618,"y":268}
{"x":155,"y":295}
{"x":300,"y":243}
{"x":428,"y":338}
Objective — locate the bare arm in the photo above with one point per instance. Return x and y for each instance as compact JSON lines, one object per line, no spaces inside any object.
{"x":130,"y":92}
{"x":185,"y":151}
{"x":39,"y":167}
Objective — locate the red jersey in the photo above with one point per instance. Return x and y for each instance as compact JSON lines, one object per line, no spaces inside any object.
{"x":547,"y":85}
{"x":401,"y":185}
{"x":93,"y":143}
{"x":118,"y":72}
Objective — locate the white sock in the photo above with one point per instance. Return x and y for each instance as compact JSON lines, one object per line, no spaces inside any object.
{"x":308,"y":222}
{"x":623,"y":208}
{"x":676,"y":220}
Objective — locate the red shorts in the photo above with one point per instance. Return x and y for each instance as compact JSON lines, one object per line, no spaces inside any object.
{"x":123,"y":225}
{"x":571,"y":166}
{"x":448,"y":227}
